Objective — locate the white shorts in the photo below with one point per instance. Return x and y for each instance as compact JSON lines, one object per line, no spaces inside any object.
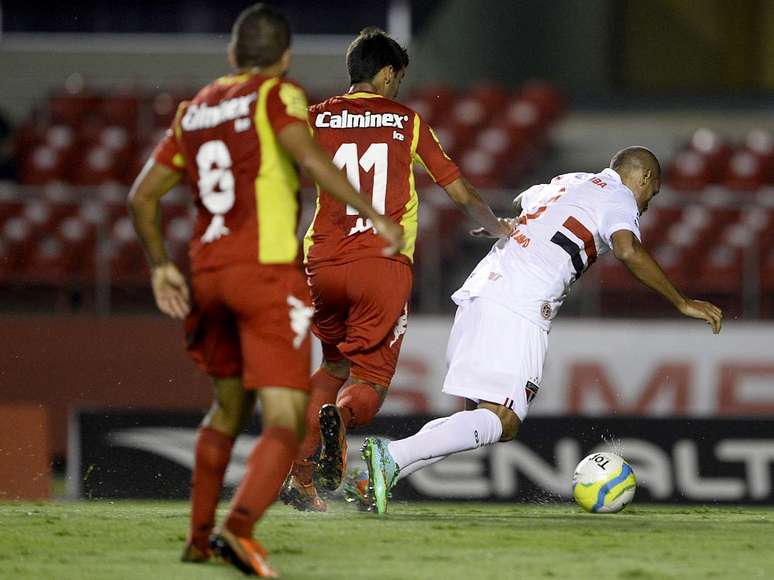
{"x":494,"y":355}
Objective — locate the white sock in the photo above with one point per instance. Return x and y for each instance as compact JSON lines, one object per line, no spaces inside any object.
{"x":417,"y":465}
{"x":460,"y":432}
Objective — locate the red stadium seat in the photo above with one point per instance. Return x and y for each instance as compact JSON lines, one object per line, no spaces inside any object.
{"x":44,"y":263}
{"x":767,"y":270}
{"x":760,"y":143}
{"x":710,"y":145}
{"x":546,"y":96}
{"x":745,"y":171}
{"x":43,"y":165}
{"x":98,"y":165}
{"x":17,"y":235}
{"x":73,"y":106}
{"x":689,"y":171}
{"x":435,"y":101}
{"x":121,"y":108}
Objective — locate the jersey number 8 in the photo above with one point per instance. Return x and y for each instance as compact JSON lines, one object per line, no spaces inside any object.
{"x":216,"y":186}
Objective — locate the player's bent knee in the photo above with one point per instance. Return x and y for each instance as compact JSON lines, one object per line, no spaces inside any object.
{"x":337,"y":368}
{"x":231,"y":408}
{"x":283,"y":407}
{"x":363,"y":401}
{"x":511,"y":424}
{"x":508,"y":419}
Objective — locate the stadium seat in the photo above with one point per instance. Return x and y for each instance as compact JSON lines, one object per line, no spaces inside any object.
{"x":98,"y":165}
{"x":760,"y":143}
{"x":711,"y":145}
{"x":689,"y":171}
{"x":745,"y":171}
{"x":44,"y":164}
{"x":121,"y":108}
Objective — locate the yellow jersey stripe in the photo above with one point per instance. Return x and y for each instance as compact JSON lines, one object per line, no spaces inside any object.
{"x":233,"y":79}
{"x":362,"y":95}
{"x":179,"y":159}
{"x":309,"y":237}
{"x":275,"y":190}
{"x":409,"y":221}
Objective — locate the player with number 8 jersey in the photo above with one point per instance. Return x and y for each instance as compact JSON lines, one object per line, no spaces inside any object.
{"x":240,"y":142}
{"x":360,"y":296}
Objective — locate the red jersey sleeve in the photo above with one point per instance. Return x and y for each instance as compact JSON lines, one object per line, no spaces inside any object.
{"x":168,"y":152}
{"x":430,"y":153}
{"x":286,"y":104}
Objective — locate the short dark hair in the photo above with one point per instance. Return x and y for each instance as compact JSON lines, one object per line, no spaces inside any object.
{"x":261,"y":34}
{"x":370,"y":52}
{"x":635,"y":157}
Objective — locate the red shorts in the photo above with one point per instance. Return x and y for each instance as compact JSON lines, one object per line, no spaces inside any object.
{"x":360,"y":312}
{"x":252,"y":321}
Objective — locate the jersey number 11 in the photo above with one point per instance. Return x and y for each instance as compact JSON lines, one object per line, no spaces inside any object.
{"x":375,"y":157}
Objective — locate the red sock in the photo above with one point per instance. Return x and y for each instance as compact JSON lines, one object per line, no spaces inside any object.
{"x":267,"y":467}
{"x":213,"y":452}
{"x":324,"y":387}
{"x":358,"y":404}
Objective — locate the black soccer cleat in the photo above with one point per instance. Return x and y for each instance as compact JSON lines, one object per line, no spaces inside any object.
{"x":333,"y":454}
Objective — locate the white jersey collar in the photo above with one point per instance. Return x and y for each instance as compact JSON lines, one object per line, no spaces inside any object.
{"x":612,"y":174}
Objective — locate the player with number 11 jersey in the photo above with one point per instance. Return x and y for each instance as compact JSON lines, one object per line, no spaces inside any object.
{"x":360,"y":296}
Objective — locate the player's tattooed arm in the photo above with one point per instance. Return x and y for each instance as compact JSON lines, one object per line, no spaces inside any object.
{"x":466,"y":198}
{"x":316,"y":163}
{"x":169,"y":287}
{"x":628,"y":249}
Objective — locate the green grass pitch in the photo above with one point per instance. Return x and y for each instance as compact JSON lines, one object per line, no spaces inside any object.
{"x":128,"y":540}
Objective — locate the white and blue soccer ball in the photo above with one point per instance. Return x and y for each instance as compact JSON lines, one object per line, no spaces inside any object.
{"x":603,"y":483}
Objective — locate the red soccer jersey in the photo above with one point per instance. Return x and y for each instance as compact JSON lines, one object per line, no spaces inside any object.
{"x":376,"y":141}
{"x":245,"y":184}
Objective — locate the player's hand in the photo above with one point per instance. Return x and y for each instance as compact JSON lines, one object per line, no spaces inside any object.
{"x":170,"y":290}
{"x":391,"y":232}
{"x":504,"y":231}
{"x":705,"y":311}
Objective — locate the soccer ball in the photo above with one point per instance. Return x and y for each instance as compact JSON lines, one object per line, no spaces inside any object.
{"x":603,"y":483}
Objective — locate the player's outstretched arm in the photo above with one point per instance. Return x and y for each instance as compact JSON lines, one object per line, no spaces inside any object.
{"x":628,"y":249}
{"x":169,"y":287}
{"x":466,"y":198}
{"x":313,"y":159}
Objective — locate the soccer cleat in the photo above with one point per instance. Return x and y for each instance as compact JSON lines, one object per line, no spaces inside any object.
{"x":333,"y":453}
{"x":382,"y":471}
{"x":194,"y":554}
{"x":245,"y":554}
{"x":355,"y":487}
{"x":302,"y":496}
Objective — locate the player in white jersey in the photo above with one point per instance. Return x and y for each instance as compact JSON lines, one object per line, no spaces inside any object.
{"x":500,"y":335}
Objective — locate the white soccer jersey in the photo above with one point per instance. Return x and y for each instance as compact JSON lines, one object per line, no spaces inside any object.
{"x":564,"y":227}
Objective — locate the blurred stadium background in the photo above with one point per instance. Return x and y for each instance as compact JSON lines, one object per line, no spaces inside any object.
{"x":518,"y":92}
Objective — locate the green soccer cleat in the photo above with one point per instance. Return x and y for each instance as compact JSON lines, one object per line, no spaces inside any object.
{"x":382,"y":471}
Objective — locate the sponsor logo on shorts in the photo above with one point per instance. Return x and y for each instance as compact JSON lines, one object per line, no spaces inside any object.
{"x":300,"y":319}
{"x":545,"y":310}
{"x":494,"y":276}
{"x":400,"y":326}
{"x":475,"y":434}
